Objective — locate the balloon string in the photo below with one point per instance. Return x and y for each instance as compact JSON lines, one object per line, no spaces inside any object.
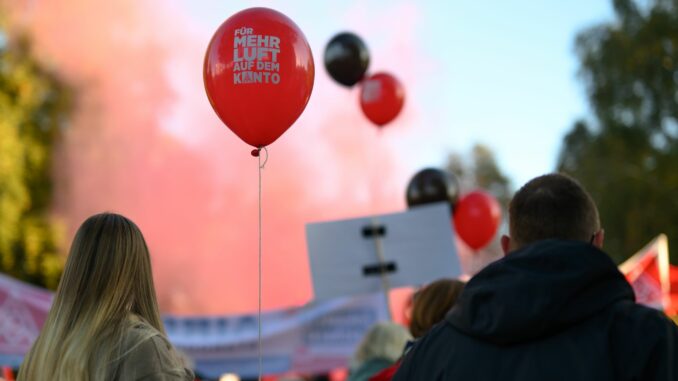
{"x":261,"y":168}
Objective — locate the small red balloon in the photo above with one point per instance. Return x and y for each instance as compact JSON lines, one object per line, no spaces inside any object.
{"x":381,"y":98}
{"x":476,"y":218}
{"x":258,"y":74}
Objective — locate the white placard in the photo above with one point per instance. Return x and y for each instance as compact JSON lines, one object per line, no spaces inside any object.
{"x":417,"y":244}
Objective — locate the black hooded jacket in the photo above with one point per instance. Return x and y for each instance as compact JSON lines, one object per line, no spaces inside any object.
{"x":554,"y":310}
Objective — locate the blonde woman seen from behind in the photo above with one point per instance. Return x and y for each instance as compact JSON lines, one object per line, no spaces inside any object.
{"x":104,"y":323}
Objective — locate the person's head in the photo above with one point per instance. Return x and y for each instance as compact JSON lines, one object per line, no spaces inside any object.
{"x":107,"y":280}
{"x":384,"y":340}
{"x":552,"y":206}
{"x":431,"y":303}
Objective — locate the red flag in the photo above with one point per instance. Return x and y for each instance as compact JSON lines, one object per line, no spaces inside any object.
{"x":648,"y":272}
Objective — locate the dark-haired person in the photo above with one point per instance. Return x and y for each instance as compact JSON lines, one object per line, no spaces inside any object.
{"x":104,"y":323}
{"x":554,"y":308}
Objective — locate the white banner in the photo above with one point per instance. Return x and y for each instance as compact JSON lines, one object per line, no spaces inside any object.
{"x":315,"y":338}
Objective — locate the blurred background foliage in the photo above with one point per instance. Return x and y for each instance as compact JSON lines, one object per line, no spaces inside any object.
{"x":626,"y":153}
{"x":34,"y":107}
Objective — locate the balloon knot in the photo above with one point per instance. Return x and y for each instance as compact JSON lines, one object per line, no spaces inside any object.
{"x":255,"y":152}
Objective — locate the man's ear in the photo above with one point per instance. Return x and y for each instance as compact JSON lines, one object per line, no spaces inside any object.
{"x":505,"y":243}
{"x":598,"y":239}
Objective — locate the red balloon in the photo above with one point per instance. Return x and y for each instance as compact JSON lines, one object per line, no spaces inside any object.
{"x":258,"y":74}
{"x":476,"y":218}
{"x":381,"y":98}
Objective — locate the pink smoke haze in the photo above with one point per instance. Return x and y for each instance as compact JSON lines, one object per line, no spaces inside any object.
{"x":144,"y":142}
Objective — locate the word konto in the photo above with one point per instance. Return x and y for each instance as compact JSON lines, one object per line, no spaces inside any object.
{"x":255,"y":57}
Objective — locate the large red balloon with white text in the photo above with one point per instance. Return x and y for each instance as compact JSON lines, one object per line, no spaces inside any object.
{"x":476,"y":218}
{"x":381,"y":98}
{"x":258,"y":74}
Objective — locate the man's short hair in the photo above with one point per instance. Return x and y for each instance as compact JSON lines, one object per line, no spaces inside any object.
{"x":552,"y":206}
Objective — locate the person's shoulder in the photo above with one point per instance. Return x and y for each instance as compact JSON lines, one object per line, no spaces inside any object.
{"x":634,"y":318}
{"x":139,"y":330}
{"x":643,"y":340}
{"x":427,"y":357}
{"x":438,"y":335}
{"x":150,"y":356}
{"x":637,"y":327}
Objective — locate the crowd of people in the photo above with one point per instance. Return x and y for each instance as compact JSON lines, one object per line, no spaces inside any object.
{"x":554,"y":308}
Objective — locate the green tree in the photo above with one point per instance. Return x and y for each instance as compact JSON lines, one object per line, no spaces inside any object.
{"x":626,"y":154}
{"x":480,"y":170}
{"x":34,"y":105}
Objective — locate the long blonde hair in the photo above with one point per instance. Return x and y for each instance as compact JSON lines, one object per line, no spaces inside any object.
{"x":106,"y":287}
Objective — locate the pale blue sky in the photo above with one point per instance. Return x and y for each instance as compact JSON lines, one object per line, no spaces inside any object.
{"x":505,"y":77}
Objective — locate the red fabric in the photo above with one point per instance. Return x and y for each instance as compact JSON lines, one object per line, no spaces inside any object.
{"x":386,"y":374}
{"x":646,"y":283}
{"x":645,"y":280}
{"x":672,"y":308}
{"x":650,"y":277}
{"x":7,"y":373}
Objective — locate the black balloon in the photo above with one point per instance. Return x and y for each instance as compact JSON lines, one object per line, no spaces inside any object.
{"x":432,"y":185}
{"x":346,"y":58}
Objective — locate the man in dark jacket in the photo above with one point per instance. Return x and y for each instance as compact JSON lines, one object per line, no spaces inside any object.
{"x":554,"y":308}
